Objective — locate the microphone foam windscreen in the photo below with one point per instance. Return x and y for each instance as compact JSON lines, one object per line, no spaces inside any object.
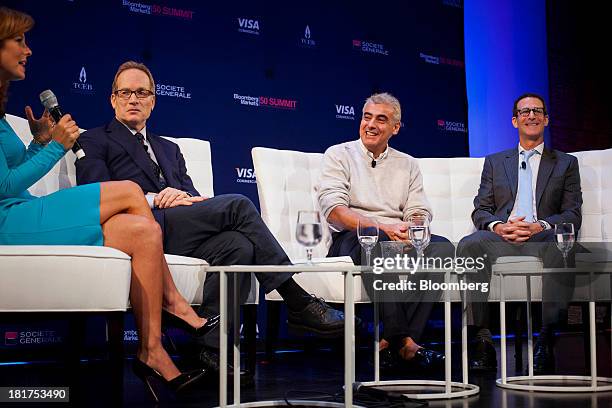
{"x":48,"y":99}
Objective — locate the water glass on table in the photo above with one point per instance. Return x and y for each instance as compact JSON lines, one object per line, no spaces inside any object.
{"x":367,"y":233}
{"x":418,"y":232}
{"x":309,"y":231}
{"x":564,"y":235}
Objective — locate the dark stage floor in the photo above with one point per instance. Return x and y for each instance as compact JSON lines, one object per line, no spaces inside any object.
{"x":314,"y":373}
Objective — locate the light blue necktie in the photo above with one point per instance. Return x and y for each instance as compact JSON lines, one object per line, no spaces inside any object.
{"x":525,"y":199}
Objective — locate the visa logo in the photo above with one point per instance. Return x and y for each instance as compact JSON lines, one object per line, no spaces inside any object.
{"x":244,"y":172}
{"x":345,"y":110}
{"x":247,"y":23}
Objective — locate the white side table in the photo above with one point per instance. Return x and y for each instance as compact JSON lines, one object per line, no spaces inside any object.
{"x":531,"y":382}
{"x":449,"y":389}
{"x":349,"y":272}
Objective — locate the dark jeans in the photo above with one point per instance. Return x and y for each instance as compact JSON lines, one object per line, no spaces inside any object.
{"x":558,"y":286}
{"x":400,"y":319}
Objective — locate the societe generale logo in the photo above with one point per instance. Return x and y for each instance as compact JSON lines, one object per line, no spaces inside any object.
{"x":10,"y":338}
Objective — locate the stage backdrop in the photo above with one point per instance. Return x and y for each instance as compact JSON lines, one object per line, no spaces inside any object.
{"x":257,"y":73}
{"x":287,"y":75}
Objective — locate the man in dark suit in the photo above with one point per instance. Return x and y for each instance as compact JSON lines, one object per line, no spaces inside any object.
{"x":523,"y":193}
{"x":223,"y":230}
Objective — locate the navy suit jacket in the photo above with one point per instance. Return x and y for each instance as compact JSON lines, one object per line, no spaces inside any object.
{"x":558,"y":193}
{"x":112,"y":152}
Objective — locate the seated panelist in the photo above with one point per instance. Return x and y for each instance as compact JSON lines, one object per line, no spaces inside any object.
{"x":523,"y":193}
{"x":110,"y":213}
{"x":366,"y":179}
{"x":222,"y":230}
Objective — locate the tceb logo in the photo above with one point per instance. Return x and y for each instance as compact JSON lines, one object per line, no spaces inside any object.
{"x":345,"y":112}
{"x":248,"y":26}
{"x":307,"y":40}
{"x":82,"y":86}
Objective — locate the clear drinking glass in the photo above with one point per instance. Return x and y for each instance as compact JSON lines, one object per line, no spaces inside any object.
{"x":309,"y":231}
{"x":564,"y":234}
{"x":418,"y":232}
{"x":367,"y":233}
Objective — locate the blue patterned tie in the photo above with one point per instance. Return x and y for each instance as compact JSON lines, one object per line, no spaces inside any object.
{"x":525,"y":199}
{"x":154,"y":166}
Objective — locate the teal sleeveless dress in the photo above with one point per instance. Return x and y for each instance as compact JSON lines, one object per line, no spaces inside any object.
{"x":66,"y":217}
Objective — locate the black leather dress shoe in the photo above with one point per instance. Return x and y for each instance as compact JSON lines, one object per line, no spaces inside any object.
{"x":483,"y":356}
{"x":209,"y":360}
{"x":318,"y":317}
{"x":388,"y":360}
{"x":543,"y":358}
{"x":427,"y":359}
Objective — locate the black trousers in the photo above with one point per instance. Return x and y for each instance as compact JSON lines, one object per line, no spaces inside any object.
{"x":556,"y":289}
{"x":224,"y":230}
{"x":400,"y":319}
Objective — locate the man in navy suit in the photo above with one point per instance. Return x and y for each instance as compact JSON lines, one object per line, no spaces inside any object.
{"x":523,"y":193}
{"x":223,"y":230}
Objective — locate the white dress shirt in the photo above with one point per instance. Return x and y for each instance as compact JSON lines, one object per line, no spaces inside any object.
{"x":149,"y":196}
{"x":534,"y":163}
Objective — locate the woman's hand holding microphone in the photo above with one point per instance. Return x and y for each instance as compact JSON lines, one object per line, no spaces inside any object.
{"x":65,"y":132}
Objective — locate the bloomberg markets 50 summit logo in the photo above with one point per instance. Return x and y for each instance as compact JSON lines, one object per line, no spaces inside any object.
{"x":155,"y":9}
{"x":266,"y":101}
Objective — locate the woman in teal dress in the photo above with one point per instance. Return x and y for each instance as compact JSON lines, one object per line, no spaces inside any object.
{"x":113,"y":214}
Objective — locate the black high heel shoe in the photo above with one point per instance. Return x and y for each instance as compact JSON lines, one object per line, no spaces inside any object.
{"x":177,"y":384}
{"x":169,"y":319}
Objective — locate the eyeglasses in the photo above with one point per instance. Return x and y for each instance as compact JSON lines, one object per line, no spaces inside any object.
{"x":127,"y":93}
{"x":525,"y":112}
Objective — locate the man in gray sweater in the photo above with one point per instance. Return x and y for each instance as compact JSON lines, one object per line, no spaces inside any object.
{"x":366,"y":179}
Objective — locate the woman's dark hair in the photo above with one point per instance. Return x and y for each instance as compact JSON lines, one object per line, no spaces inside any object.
{"x":12,"y":23}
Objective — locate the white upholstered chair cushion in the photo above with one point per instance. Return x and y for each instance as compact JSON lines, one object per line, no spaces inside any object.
{"x":63,"y":278}
{"x":285,"y":183}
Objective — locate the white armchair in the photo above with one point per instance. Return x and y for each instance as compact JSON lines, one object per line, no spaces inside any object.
{"x":92,"y":279}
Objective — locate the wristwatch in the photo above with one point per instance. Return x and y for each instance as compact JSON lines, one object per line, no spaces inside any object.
{"x":542,"y":224}
{"x":39,"y":142}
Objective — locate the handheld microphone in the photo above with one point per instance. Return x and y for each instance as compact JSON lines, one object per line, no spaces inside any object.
{"x":373,"y":163}
{"x":49,"y":101}
{"x":523,"y":165}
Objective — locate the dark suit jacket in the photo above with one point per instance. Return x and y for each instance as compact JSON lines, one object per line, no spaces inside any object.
{"x":558,"y":194}
{"x":113,"y":153}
